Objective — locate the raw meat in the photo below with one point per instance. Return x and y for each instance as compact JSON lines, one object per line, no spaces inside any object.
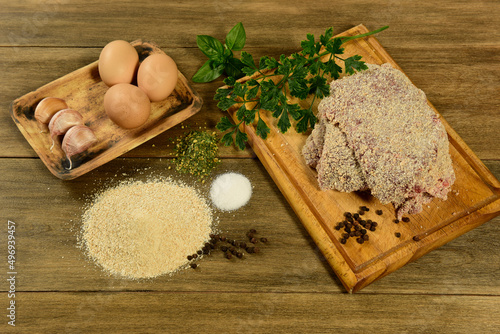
{"x":376,"y":131}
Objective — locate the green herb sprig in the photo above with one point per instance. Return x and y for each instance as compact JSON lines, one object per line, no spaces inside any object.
{"x":221,"y":58}
{"x":301,"y":75}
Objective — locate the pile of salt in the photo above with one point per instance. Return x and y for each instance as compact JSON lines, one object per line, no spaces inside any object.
{"x":230,"y":191}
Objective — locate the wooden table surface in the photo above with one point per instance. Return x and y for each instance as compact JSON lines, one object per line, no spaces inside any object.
{"x":450,"y":49}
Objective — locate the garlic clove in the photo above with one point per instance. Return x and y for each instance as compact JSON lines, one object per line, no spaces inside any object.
{"x":62,"y":121}
{"x":77,"y":139}
{"x":47,"y":107}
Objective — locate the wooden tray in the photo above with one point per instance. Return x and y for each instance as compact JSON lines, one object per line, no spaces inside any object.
{"x":474,"y":199}
{"x":84,"y":91}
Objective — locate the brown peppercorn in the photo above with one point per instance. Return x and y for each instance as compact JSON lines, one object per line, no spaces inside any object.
{"x":374,"y":224}
{"x":256,"y":249}
{"x":193,"y":265}
{"x":223,"y":238}
{"x":365,"y":237}
{"x":350,"y":219}
{"x":416,"y":238}
{"x":355,"y":216}
{"x":252,"y":230}
{"x":379,"y":212}
{"x":360,"y":240}
{"x":229,"y":256}
{"x":253,"y":241}
{"x":264,"y":240}
{"x":343,"y":241}
{"x":194,"y":256}
{"x":250,"y":249}
{"x":243,"y":245}
{"x":363,"y":231}
{"x":239,"y":255}
{"x":347,"y":214}
{"x":361,"y":212}
{"x":405,"y":219}
{"x":373,"y":228}
{"x":357,"y":233}
{"x":345,"y":235}
{"x":223,"y":248}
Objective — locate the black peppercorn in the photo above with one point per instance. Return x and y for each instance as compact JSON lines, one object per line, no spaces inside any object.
{"x":223,"y":238}
{"x":264,"y":240}
{"x":405,"y":219}
{"x":343,"y":241}
{"x":355,"y":216}
{"x":379,"y":212}
{"x":396,"y":221}
{"x":194,"y":256}
{"x":193,"y":265}
{"x":397,"y":234}
{"x":253,"y":231}
{"x":373,"y":228}
{"x":223,"y":248}
{"x":190,"y":257}
{"x":365,"y":237}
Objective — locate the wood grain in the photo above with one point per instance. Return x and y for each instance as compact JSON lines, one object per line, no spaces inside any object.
{"x":450,"y":50}
{"x":255,"y":313}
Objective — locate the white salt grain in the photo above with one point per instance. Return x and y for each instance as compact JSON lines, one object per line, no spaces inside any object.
{"x":230,"y":191}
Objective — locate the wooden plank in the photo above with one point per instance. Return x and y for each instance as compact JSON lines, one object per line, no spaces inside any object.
{"x":88,"y":24}
{"x":47,"y":212}
{"x":474,"y":200}
{"x":193,"y":312}
{"x":449,"y":89}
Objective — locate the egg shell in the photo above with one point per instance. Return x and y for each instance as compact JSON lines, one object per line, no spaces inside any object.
{"x":118,"y":63}
{"x":127,"y":105}
{"x":157,"y":76}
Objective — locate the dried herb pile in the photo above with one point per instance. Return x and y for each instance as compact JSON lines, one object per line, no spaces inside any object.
{"x":197,"y":153}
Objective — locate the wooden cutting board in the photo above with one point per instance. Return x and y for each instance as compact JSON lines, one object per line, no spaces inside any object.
{"x":474,"y":199}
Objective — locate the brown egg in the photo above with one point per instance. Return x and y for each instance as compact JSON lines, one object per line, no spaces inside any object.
{"x":118,"y":63}
{"x":157,"y":76}
{"x":127,"y":105}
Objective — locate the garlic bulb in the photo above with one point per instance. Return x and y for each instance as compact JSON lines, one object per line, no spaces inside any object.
{"x":77,"y":139}
{"x":62,"y":121}
{"x":47,"y":107}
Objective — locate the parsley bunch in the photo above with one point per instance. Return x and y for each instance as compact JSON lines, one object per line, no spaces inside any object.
{"x":302,"y":74}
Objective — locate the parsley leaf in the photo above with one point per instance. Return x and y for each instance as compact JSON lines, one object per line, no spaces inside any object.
{"x":302,"y":75}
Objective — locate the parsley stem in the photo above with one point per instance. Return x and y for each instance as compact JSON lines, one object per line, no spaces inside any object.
{"x":348,"y":38}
